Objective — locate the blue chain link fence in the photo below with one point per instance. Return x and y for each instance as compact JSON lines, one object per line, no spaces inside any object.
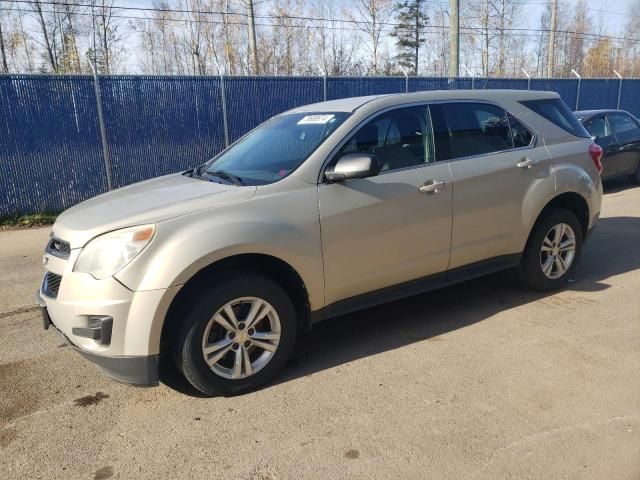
{"x":50,"y":145}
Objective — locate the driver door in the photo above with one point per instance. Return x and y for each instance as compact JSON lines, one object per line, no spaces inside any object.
{"x":383,"y":230}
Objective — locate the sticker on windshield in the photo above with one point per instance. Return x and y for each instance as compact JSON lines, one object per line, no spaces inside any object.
{"x":315,"y":119}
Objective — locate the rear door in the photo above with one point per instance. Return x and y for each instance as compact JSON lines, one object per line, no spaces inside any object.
{"x":627,"y":131}
{"x":599,"y":128}
{"x":494,"y":162}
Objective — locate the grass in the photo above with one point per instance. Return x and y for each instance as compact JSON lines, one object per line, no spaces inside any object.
{"x":27,"y":221}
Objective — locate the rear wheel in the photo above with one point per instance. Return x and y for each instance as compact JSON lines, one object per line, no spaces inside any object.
{"x":237,"y":336}
{"x":553,"y":251}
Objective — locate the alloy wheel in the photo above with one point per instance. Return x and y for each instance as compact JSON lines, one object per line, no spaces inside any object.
{"x":558,"y":251}
{"x":241,"y":338}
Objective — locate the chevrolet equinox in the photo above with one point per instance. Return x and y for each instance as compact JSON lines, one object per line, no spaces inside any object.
{"x":321,"y":210}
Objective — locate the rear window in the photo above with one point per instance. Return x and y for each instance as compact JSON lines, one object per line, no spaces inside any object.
{"x":557,"y":112}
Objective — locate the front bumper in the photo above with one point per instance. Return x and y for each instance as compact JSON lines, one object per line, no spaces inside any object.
{"x":135,"y":370}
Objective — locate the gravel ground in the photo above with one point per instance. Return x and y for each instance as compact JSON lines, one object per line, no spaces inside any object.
{"x":482,"y":380}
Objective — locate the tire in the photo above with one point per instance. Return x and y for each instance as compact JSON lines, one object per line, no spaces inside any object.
{"x":535,"y":261}
{"x":635,"y":176}
{"x":201,"y":331}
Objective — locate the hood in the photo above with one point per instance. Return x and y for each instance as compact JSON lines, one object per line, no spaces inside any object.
{"x":150,"y":201}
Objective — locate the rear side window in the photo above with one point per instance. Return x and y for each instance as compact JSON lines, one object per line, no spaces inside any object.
{"x":520,"y":135}
{"x":468,"y":129}
{"x":621,"y":122}
{"x":598,"y":127}
{"x":557,"y":112}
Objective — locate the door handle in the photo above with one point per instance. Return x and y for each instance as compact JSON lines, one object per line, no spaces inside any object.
{"x":526,"y":163}
{"x":433,"y":187}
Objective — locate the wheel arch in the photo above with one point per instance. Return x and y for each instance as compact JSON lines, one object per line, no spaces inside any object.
{"x":270,"y":266}
{"x":571,"y":201}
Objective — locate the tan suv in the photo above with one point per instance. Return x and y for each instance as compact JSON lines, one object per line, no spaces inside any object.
{"x":322,"y":210}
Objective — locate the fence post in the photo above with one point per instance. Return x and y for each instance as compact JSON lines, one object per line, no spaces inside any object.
{"x":619,"y":89}
{"x":103,"y":128}
{"x":528,"y":78}
{"x":473,"y":77}
{"x":578,"y":91}
{"x":406,"y":79}
{"x":324,"y":82}
{"x":223,"y":101}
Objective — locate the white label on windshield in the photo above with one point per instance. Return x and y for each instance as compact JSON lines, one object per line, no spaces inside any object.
{"x":317,"y":119}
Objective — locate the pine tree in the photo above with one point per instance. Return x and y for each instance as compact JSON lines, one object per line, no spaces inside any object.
{"x":410,"y":32}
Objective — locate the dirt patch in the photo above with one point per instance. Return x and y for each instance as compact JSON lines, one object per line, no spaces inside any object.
{"x":103,"y":473}
{"x":20,"y":398}
{"x":89,"y":400}
{"x":352,"y":454}
{"x":7,"y":435}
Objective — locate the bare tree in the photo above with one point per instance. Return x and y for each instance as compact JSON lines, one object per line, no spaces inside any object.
{"x":107,"y":35}
{"x":5,"y":67}
{"x":371,"y":17}
{"x":337,"y":51}
{"x":48,"y":28}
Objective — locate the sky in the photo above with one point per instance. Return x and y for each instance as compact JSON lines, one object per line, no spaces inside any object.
{"x":612,"y":12}
{"x":616,"y":18}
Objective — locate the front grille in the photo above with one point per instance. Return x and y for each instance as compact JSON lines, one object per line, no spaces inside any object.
{"x":58,"y":248}
{"x":51,"y":284}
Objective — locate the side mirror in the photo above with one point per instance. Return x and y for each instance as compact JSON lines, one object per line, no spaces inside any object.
{"x":353,"y":165}
{"x":594,"y":137}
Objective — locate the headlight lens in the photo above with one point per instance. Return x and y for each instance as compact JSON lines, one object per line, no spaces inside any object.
{"x":105,"y":255}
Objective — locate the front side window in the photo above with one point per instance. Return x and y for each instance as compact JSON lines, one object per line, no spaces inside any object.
{"x":400,"y":138}
{"x":557,"y":112}
{"x":467,"y":129}
{"x":598,"y":127}
{"x":273,"y":150}
{"x":621,"y":122}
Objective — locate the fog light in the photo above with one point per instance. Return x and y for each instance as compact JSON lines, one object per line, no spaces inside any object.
{"x":99,"y":329}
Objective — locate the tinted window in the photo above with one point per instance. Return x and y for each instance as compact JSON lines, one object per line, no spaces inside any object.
{"x":520,"y":135}
{"x":621,"y":122}
{"x":598,"y":127}
{"x":466,"y":129}
{"x":399,"y":138}
{"x":557,"y":112}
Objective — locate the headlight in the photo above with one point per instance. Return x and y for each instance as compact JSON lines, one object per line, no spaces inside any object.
{"x":103,"y":256}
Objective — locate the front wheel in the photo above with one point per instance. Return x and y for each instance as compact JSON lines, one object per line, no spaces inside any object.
{"x":237,"y":336}
{"x":553,"y":251}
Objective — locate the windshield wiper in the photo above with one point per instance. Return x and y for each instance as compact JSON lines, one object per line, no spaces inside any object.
{"x":226,"y":176}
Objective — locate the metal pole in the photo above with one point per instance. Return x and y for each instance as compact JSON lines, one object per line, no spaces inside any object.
{"x":252,"y":38}
{"x":528,"y":79}
{"x":552,"y":39}
{"x":324,"y":86}
{"x":406,"y":79}
{"x":473,"y":77}
{"x":619,"y":89}
{"x":454,"y":39}
{"x":578,"y":91}
{"x":223,"y":101}
{"x":103,"y":128}
{"x":324,"y":82}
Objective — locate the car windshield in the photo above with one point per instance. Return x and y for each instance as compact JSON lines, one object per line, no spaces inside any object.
{"x":273,"y":150}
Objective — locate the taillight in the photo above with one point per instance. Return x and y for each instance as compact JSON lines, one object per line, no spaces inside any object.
{"x":595,"y":151}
